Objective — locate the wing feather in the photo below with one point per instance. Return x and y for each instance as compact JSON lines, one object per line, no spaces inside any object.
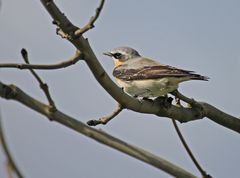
{"x":154,"y":72}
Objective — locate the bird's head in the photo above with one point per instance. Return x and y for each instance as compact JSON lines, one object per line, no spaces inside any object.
{"x":122,"y":54}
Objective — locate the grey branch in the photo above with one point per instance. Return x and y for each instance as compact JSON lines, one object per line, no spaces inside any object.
{"x":14,"y":93}
{"x":42,"y":85}
{"x":187,"y":148}
{"x":11,"y":164}
{"x":91,"y":22}
{"x":106,"y":119}
{"x":71,"y":61}
{"x":213,"y":113}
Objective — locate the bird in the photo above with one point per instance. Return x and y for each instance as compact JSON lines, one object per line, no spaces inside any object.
{"x":143,"y":77}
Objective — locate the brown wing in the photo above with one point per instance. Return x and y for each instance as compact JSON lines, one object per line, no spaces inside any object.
{"x":154,"y":72}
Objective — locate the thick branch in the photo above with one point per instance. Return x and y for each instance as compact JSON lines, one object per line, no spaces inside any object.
{"x":180,"y":114}
{"x":212,"y":113}
{"x":14,"y":93}
{"x":221,"y":117}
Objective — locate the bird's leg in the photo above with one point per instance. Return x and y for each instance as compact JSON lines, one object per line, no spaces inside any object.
{"x":178,"y":102}
{"x":190,"y":101}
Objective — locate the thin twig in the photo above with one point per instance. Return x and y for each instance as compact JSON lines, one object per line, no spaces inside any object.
{"x":203,"y":173}
{"x":60,"y":65}
{"x":91,"y":22}
{"x":7,"y":152}
{"x":192,"y":102}
{"x":106,"y":119}
{"x":42,"y":85}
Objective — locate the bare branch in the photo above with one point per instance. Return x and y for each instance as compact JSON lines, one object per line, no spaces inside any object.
{"x":203,"y":173}
{"x":11,"y":164}
{"x":42,"y":85}
{"x":14,"y":93}
{"x":106,"y":119}
{"x":69,"y":62}
{"x":212,"y":113}
{"x":91,"y":22}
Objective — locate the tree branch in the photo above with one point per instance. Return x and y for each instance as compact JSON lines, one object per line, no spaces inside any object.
{"x":42,"y":85}
{"x":106,"y":119}
{"x":212,"y":113}
{"x":91,"y":22}
{"x":203,"y":173}
{"x":14,"y":93}
{"x":69,"y":62}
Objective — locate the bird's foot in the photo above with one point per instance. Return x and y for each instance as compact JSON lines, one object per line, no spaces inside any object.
{"x":164,"y":101}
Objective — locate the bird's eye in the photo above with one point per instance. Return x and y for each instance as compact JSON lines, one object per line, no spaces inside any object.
{"x":117,"y":55}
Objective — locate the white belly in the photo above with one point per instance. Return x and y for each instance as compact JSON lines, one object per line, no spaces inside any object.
{"x":149,"y":87}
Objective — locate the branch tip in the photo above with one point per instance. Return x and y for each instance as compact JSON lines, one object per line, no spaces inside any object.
{"x":91,"y":22}
{"x":106,"y":119}
{"x":42,"y":84}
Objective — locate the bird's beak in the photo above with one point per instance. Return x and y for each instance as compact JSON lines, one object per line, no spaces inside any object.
{"x":108,"y":54}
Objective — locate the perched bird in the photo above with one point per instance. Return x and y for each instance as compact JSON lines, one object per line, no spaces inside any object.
{"x":144,"y":77}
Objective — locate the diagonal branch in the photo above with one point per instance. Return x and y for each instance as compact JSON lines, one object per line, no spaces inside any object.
{"x":203,"y":173}
{"x":14,"y":93}
{"x":69,"y":62}
{"x":106,"y":119}
{"x":91,"y":22}
{"x":42,"y":85}
{"x":10,"y":160}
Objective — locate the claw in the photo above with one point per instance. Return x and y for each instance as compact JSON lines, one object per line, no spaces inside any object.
{"x":164,"y":101}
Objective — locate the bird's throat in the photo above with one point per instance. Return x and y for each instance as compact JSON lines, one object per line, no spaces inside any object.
{"x":117,"y":62}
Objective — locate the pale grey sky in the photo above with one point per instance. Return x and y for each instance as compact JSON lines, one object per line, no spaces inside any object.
{"x":195,"y":35}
